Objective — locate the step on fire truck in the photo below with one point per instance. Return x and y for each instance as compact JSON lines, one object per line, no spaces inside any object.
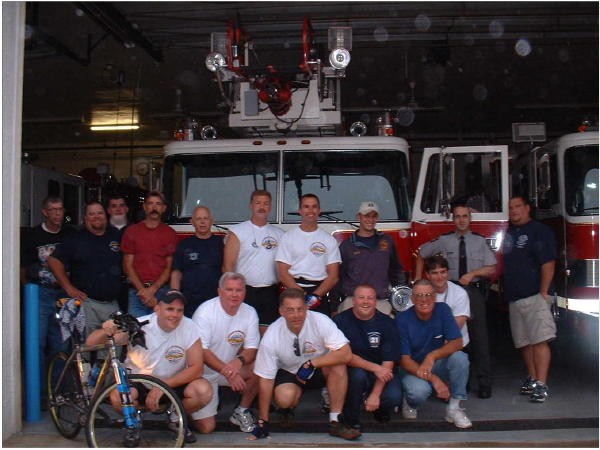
{"x":293,"y":145}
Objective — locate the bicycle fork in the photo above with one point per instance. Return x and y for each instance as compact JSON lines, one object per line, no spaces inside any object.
{"x":130,"y":412}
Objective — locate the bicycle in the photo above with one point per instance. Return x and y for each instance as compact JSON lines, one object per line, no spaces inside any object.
{"x":75,"y":403}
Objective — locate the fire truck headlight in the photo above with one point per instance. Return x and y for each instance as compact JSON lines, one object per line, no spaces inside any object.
{"x":215,"y":61}
{"x":208,"y":132}
{"x":358,"y":129}
{"x":339,"y":58}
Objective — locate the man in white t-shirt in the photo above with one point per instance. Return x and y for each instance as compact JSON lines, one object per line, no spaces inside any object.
{"x":436,"y":271}
{"x":230,"y":338}
{"x":167,"y":334}
{"x":302,"y":349}
{"x":309,"y":258}
{"x":250,"y":249}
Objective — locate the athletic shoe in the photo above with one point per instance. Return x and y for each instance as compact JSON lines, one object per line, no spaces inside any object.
{"x":131,"y":438}
{"x":408,"y":412}
{"x":325,"y":401}
{"x":188,"y":435}
{"x":244,"y":420}
{"x":527,"y":387}
{"x":338,"y":429}
{"x":458,"y":417}
{"x":540,"y":392}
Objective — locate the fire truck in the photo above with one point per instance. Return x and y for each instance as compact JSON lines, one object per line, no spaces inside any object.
{"x":293,"y":144}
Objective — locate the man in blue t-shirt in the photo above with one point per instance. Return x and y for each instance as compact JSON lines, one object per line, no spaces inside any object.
{"x":430,"y":348}
{"x":375,"y":343}
{"x":197,"y":262}
{"x":529,"y":258}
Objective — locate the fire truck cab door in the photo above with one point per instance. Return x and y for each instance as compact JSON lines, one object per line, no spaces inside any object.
{"x":475,"y":176}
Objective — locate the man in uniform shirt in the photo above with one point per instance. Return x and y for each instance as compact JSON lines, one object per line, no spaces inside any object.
{"x":250,"y":249}
{"x":372,"y":379}
{"x":369,"y":257}
{"x":309,"y":258}
{"x":302,"y":349}
{"x":470,"y":262}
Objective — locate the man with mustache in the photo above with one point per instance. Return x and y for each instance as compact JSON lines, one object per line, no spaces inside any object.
{"x":250,"y":249}
{"x":148,"y":248}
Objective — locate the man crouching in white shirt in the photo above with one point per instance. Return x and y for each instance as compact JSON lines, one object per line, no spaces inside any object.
{"x":302,"y":349}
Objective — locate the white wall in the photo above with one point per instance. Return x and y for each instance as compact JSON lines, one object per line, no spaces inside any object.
{"x":13,"y":28}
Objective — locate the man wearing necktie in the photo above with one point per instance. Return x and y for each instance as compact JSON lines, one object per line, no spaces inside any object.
{"x":471,"y":263}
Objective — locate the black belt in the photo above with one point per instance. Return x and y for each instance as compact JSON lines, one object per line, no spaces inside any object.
{"x":301,"y":280}
{"x":481,"y":284}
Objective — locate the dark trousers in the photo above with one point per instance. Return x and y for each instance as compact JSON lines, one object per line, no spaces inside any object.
{"x":324,"y":306}
{"x":360,"y":384}
{"x":479,"y":346}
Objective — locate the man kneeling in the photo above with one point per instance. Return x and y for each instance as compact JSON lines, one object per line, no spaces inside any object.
{"x":300,"y":350}
{"x":430,"y":344}
{"x":167,"y":330}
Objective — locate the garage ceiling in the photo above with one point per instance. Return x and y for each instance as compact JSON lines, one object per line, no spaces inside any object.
{"x":466,"y":70}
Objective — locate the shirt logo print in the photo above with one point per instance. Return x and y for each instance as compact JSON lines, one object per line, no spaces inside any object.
{"x":236,"y":337}
{"x":522,"y":241}
{"x":269,"y":243}
{"x":174,"y":354}
{"x":318,"y":249}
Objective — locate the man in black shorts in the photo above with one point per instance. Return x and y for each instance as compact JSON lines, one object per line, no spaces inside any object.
{"x":302,"y":349}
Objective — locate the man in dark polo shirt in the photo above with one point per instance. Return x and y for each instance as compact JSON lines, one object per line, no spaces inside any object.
{"x":88,"y":266}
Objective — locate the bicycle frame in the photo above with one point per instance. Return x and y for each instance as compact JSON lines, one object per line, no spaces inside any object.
{"x":120,"y":374}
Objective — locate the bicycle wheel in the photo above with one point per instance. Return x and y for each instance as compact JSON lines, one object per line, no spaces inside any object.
{"x":165,"y":428}
{"x":66,"y":402}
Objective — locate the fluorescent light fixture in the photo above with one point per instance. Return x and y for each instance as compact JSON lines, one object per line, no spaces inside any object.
{"x":113,"y":127}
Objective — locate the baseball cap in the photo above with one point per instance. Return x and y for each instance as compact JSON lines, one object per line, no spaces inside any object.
{"x":170,"y":296}
{"x":367,"y":207}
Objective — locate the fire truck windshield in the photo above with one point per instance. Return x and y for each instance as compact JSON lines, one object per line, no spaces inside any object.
{"x":342,"y":179}
{"x":581,"y":180}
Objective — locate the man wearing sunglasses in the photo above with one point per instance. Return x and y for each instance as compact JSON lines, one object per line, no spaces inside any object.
{"x":300,"y":350}
{"x":430,"y":345}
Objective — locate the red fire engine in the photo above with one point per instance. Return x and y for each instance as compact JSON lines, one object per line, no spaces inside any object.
{"x":309,"y":155}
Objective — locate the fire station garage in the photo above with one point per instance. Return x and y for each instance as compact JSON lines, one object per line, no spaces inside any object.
{"x":413,"y":104}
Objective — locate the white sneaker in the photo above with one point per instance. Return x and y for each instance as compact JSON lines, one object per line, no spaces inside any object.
{"x":458,"y":417}
{"x":244,"y":420}
{"x":408,"y":412}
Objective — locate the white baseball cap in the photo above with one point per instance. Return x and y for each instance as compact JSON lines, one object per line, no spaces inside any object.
{"x":367,"y":207}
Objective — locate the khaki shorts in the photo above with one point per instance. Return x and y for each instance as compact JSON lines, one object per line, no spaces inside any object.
{"x":531,"y":321}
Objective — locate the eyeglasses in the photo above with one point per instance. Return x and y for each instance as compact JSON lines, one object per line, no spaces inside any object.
{"x":423,"y":295}
{"x":297,"y":347}
{"x":55,"y":210}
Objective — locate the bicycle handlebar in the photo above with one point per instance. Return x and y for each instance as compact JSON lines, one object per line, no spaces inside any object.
{"x":129,"y":324}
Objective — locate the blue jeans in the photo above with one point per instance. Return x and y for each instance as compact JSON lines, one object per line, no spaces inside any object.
{"x":50,"y":337}
{"x":454,"y":369}
{"x":360,"y":384}
{"x":135,"y":306}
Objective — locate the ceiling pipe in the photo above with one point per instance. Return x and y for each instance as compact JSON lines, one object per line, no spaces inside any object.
{"x":109,"y":18}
